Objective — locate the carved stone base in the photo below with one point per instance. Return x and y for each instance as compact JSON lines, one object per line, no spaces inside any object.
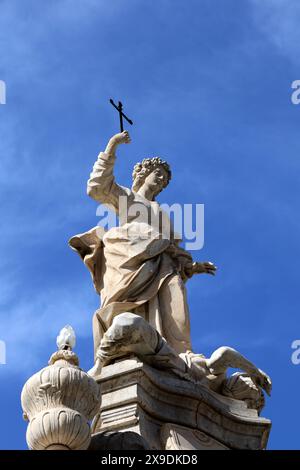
{"x":59,"y":401}
{"x":170,"y":413}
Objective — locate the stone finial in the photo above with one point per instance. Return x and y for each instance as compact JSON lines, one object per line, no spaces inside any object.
{"x":60,"y":400}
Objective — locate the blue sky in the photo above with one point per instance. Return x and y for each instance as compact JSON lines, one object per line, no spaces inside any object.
{"x":208,"y":86}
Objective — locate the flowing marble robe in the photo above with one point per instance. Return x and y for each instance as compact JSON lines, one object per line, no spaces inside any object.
{"x":137,"y":266}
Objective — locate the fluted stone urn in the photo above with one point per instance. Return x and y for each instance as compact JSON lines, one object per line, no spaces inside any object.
{"x":60,"y":400}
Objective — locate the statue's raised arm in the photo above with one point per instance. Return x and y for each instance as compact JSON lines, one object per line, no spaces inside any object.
{"x":102,"y":186}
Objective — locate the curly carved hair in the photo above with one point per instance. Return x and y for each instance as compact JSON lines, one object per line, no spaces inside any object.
{"x":142,"y":169}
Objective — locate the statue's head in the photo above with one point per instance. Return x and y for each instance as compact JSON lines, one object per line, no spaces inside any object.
{"x":154,"y":172}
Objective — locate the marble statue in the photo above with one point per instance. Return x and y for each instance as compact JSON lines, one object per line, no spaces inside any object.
{"x":139,"y":269}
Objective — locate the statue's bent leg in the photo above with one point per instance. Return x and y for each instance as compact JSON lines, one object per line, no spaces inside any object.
{"x":130,"y":333}
{"x":175,"y":314}
{"x":226,"y":357}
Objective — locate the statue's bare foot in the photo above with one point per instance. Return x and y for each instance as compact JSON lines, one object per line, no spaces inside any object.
{"x":96,"y":370}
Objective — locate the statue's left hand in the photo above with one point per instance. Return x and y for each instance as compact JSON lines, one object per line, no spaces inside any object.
{"x":198,"y":268}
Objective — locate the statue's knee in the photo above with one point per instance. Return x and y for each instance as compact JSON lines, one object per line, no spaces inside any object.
{"x":127,"y":326}
{"x":127,"y":319}
{"x":225,"y":352}
{"x":221,"y":357}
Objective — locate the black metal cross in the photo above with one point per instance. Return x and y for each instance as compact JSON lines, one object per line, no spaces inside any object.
{"x":119,"y":108}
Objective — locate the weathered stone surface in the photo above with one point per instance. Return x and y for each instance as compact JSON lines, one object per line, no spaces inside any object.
{"x":138,"y":398}
{"x":175,"y":437}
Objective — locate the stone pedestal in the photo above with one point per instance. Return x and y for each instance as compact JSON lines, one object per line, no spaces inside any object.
{"x":165,"y":412}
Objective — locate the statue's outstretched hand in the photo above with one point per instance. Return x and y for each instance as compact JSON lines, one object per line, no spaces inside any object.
{"x":198,"y":268}
{"x":121,"y":138}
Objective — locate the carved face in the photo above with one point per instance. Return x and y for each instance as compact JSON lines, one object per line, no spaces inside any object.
{"x":157,"y":180}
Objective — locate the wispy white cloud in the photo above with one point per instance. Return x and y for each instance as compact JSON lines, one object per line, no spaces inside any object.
{"x":279,"y":21}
